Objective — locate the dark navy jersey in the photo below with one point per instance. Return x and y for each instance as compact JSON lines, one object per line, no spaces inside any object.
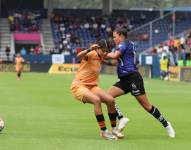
{"x":128,"y":60}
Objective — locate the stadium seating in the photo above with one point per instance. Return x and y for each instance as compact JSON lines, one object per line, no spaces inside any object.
{"x":78,"y":28}
{"x":26,"y":21}
{"x":162,"y":30}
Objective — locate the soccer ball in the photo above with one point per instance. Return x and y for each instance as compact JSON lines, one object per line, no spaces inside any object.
{"x":2,"y":124}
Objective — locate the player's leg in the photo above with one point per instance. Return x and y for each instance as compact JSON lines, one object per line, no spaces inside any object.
{"x":166,"y":75}
{"x":19,"y":74}
{"x":17,"y":70}
{"x":109,"y":101}
{"x":116,"y":91}
{"x":138,"y":90}
{"x":143,"y":100}
{"x":89,"y":97}
{"x":161,"y":75}
{"x":84,"y":95}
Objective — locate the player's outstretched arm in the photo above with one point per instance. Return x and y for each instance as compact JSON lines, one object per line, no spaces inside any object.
{"x":114,"y":55}
{"x":111,"y":62}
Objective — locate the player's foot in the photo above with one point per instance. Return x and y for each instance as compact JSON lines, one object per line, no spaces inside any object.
{"x":166,"y":78}
{"x":122,"y":123}
{"x":107,"y":135}
{"x":170,"y":130}
{"x":117,"y":133}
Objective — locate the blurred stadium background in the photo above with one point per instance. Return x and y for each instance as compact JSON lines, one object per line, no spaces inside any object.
{"x":50,"y":32}
{"x":40,"y":112}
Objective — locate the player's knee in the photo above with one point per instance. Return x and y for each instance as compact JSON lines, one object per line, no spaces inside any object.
{"x":97,"y":101}
{"x":109,"y":92}
{"x":110,"y":100}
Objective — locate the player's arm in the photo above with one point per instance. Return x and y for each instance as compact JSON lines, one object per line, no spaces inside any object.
{"x":114,"y":55}
{"x":83,"y":53}
{"x":112,"y":62}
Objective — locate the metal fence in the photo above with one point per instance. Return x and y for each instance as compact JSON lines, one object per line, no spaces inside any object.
{"x":159,"y":30}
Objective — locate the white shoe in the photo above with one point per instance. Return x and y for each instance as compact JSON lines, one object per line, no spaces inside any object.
{"x":107,"y":135}
{"x":170,"y":130}
{"x":117,"y":133}
{"x":166,"y":78}
{"x":122,"y":123}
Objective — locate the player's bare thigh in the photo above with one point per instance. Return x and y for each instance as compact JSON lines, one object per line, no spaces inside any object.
{"x":18,"y":68}
{"x":115,"y":91}
{"x":103,"y":95}
{"x":83,"y":94}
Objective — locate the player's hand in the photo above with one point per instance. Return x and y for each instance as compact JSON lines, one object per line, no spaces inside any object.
{"x":94,"y":46}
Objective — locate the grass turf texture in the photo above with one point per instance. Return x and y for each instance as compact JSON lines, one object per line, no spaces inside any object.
{"x":41,"y":114}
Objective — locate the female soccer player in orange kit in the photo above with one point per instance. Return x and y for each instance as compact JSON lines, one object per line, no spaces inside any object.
{"x":19,"y":65}
{"x":85,"y":87}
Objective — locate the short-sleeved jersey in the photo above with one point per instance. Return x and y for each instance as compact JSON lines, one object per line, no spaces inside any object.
{"x":89,"y":70}
{"x":127,"y":61}
{"x":19,"y":60}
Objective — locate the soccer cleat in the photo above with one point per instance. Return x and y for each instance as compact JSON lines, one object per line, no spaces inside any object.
{"x":107,"y":135}
{"x":122,"y":123}
{"x":116,"y":132}
{"x":170,"y":130}
{"x":166,"y":78}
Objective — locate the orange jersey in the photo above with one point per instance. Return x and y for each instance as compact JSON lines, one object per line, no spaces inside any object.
{"x":89,"y":70}
{"x":18,"y":62}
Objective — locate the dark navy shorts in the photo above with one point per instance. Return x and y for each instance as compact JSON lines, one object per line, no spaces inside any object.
{"x":133,"y":82}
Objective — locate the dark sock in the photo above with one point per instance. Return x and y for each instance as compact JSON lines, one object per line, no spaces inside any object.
{"x":19,"y":74}
{"x":112,"y":118}
{"x":101,"y":122}
{"x":156,"y":113}
{"x":119,"y":113}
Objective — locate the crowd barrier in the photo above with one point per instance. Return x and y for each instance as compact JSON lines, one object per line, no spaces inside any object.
{"x":145,"y":71}
{"x":11,"y":68}
{"x":180,"y":73}
{"x":65,"y":64}
{"x":63,"y":68}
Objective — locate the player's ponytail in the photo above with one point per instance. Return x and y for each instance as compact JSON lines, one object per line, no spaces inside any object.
{"x":122,"y":30}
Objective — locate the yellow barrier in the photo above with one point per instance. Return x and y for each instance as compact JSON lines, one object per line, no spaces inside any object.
{"x":64,"y":68}
{"x":11,"y":68}
{"x":174,"y":74}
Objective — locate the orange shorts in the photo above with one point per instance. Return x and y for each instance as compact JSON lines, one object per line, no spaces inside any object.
{"x":78,"y":90}
{"x":18,"y":68}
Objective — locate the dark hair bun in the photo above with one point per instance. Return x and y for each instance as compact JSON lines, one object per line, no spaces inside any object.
{"x":124,"y":27}
{"x":105,"y":44}
{"x":122,"y":30}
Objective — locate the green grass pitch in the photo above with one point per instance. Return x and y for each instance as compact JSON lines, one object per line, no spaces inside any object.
{"x":41,"y":114}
